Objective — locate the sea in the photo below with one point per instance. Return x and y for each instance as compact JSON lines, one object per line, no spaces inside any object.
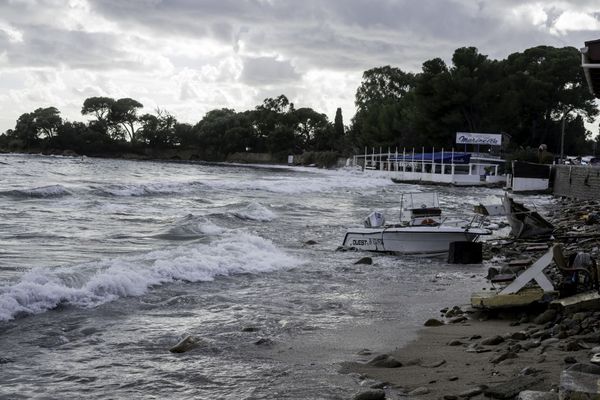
{"x":106,"y":264}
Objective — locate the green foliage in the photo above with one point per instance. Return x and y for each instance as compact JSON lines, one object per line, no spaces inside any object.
{"x":527,"y":95}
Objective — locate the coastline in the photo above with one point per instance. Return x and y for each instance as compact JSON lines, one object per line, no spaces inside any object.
{"x":496,"y":354}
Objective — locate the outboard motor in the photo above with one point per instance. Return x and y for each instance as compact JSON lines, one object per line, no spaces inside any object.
{"x":375,"y":220}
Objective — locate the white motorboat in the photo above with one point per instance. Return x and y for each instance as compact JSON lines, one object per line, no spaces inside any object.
{"x":422,"y":229}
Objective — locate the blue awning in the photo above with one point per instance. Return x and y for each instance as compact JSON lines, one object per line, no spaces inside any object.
{"x":437,"y":157}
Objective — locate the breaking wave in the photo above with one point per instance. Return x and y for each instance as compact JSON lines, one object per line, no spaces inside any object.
{"x":319,"y":181}
{"x":92,"y":284}
{"x":51,"y":191}
{"x":149,"y":189}
{"x":191,"y":227}
{"x":254,"y":212}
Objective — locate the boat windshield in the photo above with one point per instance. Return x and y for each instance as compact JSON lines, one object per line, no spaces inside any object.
{"x":411,"y":201}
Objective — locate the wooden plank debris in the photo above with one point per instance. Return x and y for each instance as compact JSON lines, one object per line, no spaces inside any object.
{"x":492,"y":299}
{"x":536,"y":273}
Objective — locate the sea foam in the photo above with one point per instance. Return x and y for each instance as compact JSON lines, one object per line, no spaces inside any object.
{"x":255,"y":212}
{"x":318,"y":181}
{"x":92,"y":284}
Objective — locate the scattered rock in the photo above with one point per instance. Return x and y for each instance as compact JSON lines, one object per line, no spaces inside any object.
{"x":529,"y":344}
{"x":186,"y":344}
{"x":519,"y":336}
{"x":375,"y":394}
{"x":433,"y":322}
{"x":492,"y":341}
{"x":310,"y":243}
{"x":384,"y":361}
{"x":365,"y":260}
{"x":503,"y":356}
{"x":476,"y":348}
{"x":455,"y":342}
{"x":379,"y":385}
{"x":467,"y":394}
{"x":263,"y":342}
{"x":250,"y":329}
{"x":529,"y":371}
{"x":511,"y":388}
{"x":534,"y":395}
{"x":572,"y":346}
{"x":453,"y":378}
{"x":547,"y":316}
{"x":456,"y":320}
{"x":365,"y":352}
{"x":434,"y":364}
{"x":420,"y":391}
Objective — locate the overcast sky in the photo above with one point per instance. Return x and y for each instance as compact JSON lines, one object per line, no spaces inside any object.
{"x":192,"y":56}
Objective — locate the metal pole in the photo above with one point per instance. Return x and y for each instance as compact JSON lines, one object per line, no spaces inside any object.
{"x":562,"y":138}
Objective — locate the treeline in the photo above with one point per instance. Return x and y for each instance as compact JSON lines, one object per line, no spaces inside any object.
{"x":530,"y":96}
{"x":117,"y":127}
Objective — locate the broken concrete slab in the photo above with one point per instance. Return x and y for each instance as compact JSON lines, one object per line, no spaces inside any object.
{"x":579,"y":302}
{"x":580,"y":381}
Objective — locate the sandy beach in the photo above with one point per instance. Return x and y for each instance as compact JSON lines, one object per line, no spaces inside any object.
{"x":438,"y":360}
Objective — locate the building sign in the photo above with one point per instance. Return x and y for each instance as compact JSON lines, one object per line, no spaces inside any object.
{"x":478,"y":138}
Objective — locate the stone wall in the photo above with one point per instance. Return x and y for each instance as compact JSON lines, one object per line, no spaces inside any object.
{"x":575,"y":181}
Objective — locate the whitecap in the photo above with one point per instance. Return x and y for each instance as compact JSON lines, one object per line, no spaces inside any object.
{"x":92,"y":284}
{"x":255,"y":212}
{"x":191,"y":227}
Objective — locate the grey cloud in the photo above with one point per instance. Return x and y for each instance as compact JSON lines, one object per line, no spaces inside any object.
{"x":344,"y":34}
{"x":267,"y":71}
{"x":44,"y":46}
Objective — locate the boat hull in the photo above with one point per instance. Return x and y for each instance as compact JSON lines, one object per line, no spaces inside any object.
{"x":409,"y":240}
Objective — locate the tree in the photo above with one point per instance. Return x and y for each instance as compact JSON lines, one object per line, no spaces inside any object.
{"x":43,"y":122}
{"x":98,"y":106}
{"x":307,"y":123}
{"x":48,"y":121}
{"x":382,"y":85}
{"x":158,"y":130}
{"x":549,"y":86}
{"x":383,"y":106}
{"x":124,"y":113}
{"x":339,"y":132}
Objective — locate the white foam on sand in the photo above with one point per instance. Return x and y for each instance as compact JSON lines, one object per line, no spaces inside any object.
{"x":91,"y":284}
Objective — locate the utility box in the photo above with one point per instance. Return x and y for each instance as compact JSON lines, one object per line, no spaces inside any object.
{"x":465,"y":253}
